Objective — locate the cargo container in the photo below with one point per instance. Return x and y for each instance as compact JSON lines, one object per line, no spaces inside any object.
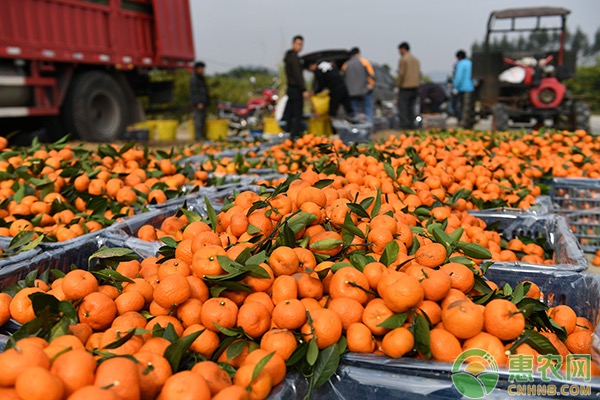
{"x":83,"y":63}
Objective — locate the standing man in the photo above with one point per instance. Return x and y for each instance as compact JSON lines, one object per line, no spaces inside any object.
{"x":296,"y":91}
{"x":200,"y":96}
{"x":360,"y":80}
{"x":409,"y":78}
{"x":462,"y":87}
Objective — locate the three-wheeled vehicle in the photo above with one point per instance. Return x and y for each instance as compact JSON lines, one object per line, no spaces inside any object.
{"x":522,"y":87}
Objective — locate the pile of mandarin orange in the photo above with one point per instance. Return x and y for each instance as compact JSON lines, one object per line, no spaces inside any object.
{"x":369,"y":250}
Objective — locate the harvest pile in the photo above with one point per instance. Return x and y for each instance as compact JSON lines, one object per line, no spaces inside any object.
{"x":367,"y":250}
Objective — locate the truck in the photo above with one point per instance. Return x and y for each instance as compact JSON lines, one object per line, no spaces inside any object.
{"x":527,"y":86}
{"x":82,"y":65}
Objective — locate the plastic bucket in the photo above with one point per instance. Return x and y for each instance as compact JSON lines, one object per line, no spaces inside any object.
{"x":165,"y":130}
{"x":216,"y":129}
{"x":191,"y":129}
{"x":319,"y":126}
{"x":271,"y":126}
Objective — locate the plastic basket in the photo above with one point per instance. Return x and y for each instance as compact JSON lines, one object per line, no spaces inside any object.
{"x":586,"y":227}
{"x":216,"y":129}
{"x":354,"y":133}
{"x":74,"y":252}
{"x":379,"y":377}
{"x":575,"y":194}
{"x":568,"y":254}
{"x":578,"y":199}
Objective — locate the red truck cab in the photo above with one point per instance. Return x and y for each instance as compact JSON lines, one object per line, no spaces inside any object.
{"x":86,"y":61}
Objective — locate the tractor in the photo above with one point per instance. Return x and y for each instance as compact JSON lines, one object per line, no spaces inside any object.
{"x":526,"y":88}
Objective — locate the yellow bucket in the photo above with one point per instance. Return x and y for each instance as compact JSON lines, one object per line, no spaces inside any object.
{"x":192,"y":129}
{"x":320,"y":126}
{"x":271,"y":126}
{"x":163,"y":130}
{"x":216,"y":129}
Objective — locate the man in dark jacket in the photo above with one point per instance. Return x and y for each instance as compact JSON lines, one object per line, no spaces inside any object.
{"x":432,"y":97}
{"x":200,"y":96}
{"x":327,"y":76}
{"x":296,"y":92}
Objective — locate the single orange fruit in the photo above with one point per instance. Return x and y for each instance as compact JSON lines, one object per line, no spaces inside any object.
{"x":185,"y":385}
{"x":503,"y":319}
{"x":397,"y":342}
{"x":327,"y":327}
{"x":221,"y":311}
{"x":216,"y":377}
{"x":360,"y":338}
{"x":463,"y":319}
{"x":400,"y":291}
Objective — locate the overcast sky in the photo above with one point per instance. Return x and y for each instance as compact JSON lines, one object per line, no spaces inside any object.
{"x":231,"y":33}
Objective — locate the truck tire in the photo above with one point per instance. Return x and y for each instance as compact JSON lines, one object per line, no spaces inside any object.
{"x":580,"y":111}
{"x":95,"y":107}
{"x":500,"y":117}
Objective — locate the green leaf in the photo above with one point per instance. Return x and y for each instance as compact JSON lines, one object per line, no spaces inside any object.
{"x":326,"y":365}
{"x":257,"y":271}
{"x":42,"y":301}
{"x":121,"y":340}
{"x":227,"y":331}
{"x":474,"y":250}
{"x":462,"y":260}
{"x":390,"y":253}
{"x":358,"y":210}
{"x":359,"y":261}
{"x":257,"y":258}
{"x":261,"y":364}
{"x":456,"y":235}
{"x":518,"y":293}
{"x":442,"y":237}
{"x":349,"y":226}
{"x":190,"y":215}
{"x":377,"y":205}
{"x":170,"y":333}
{"x":110,"y":275}
{"x":395,"y":321}
{"x":253,"y":230}
{"x":421,"y":334}
{"x":389,"y":170}
{"x":20,"y":240}
{"x":112,"y":256}
{"x":235,"y":349}
{"x":326,"y":244}
{"x":539,"y":342}
{"x":212,"y":215}
{"x":300,"y":221}
{"x":406,"y":189}
{"x":298,"y":354}
{"x":323,"y":183}
{"x":176,"y":350}
{"x":313,"y":352}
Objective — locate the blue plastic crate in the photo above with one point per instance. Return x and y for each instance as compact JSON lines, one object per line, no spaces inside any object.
{"x":567,"y":252}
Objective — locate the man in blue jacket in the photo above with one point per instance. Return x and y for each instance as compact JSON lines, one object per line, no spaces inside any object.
{"x":462,"y":84}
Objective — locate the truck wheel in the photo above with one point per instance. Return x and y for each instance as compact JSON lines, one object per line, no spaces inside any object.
{"x":95,"y":108}
{"x":581,"y":116}
{"x":500,"y":117}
